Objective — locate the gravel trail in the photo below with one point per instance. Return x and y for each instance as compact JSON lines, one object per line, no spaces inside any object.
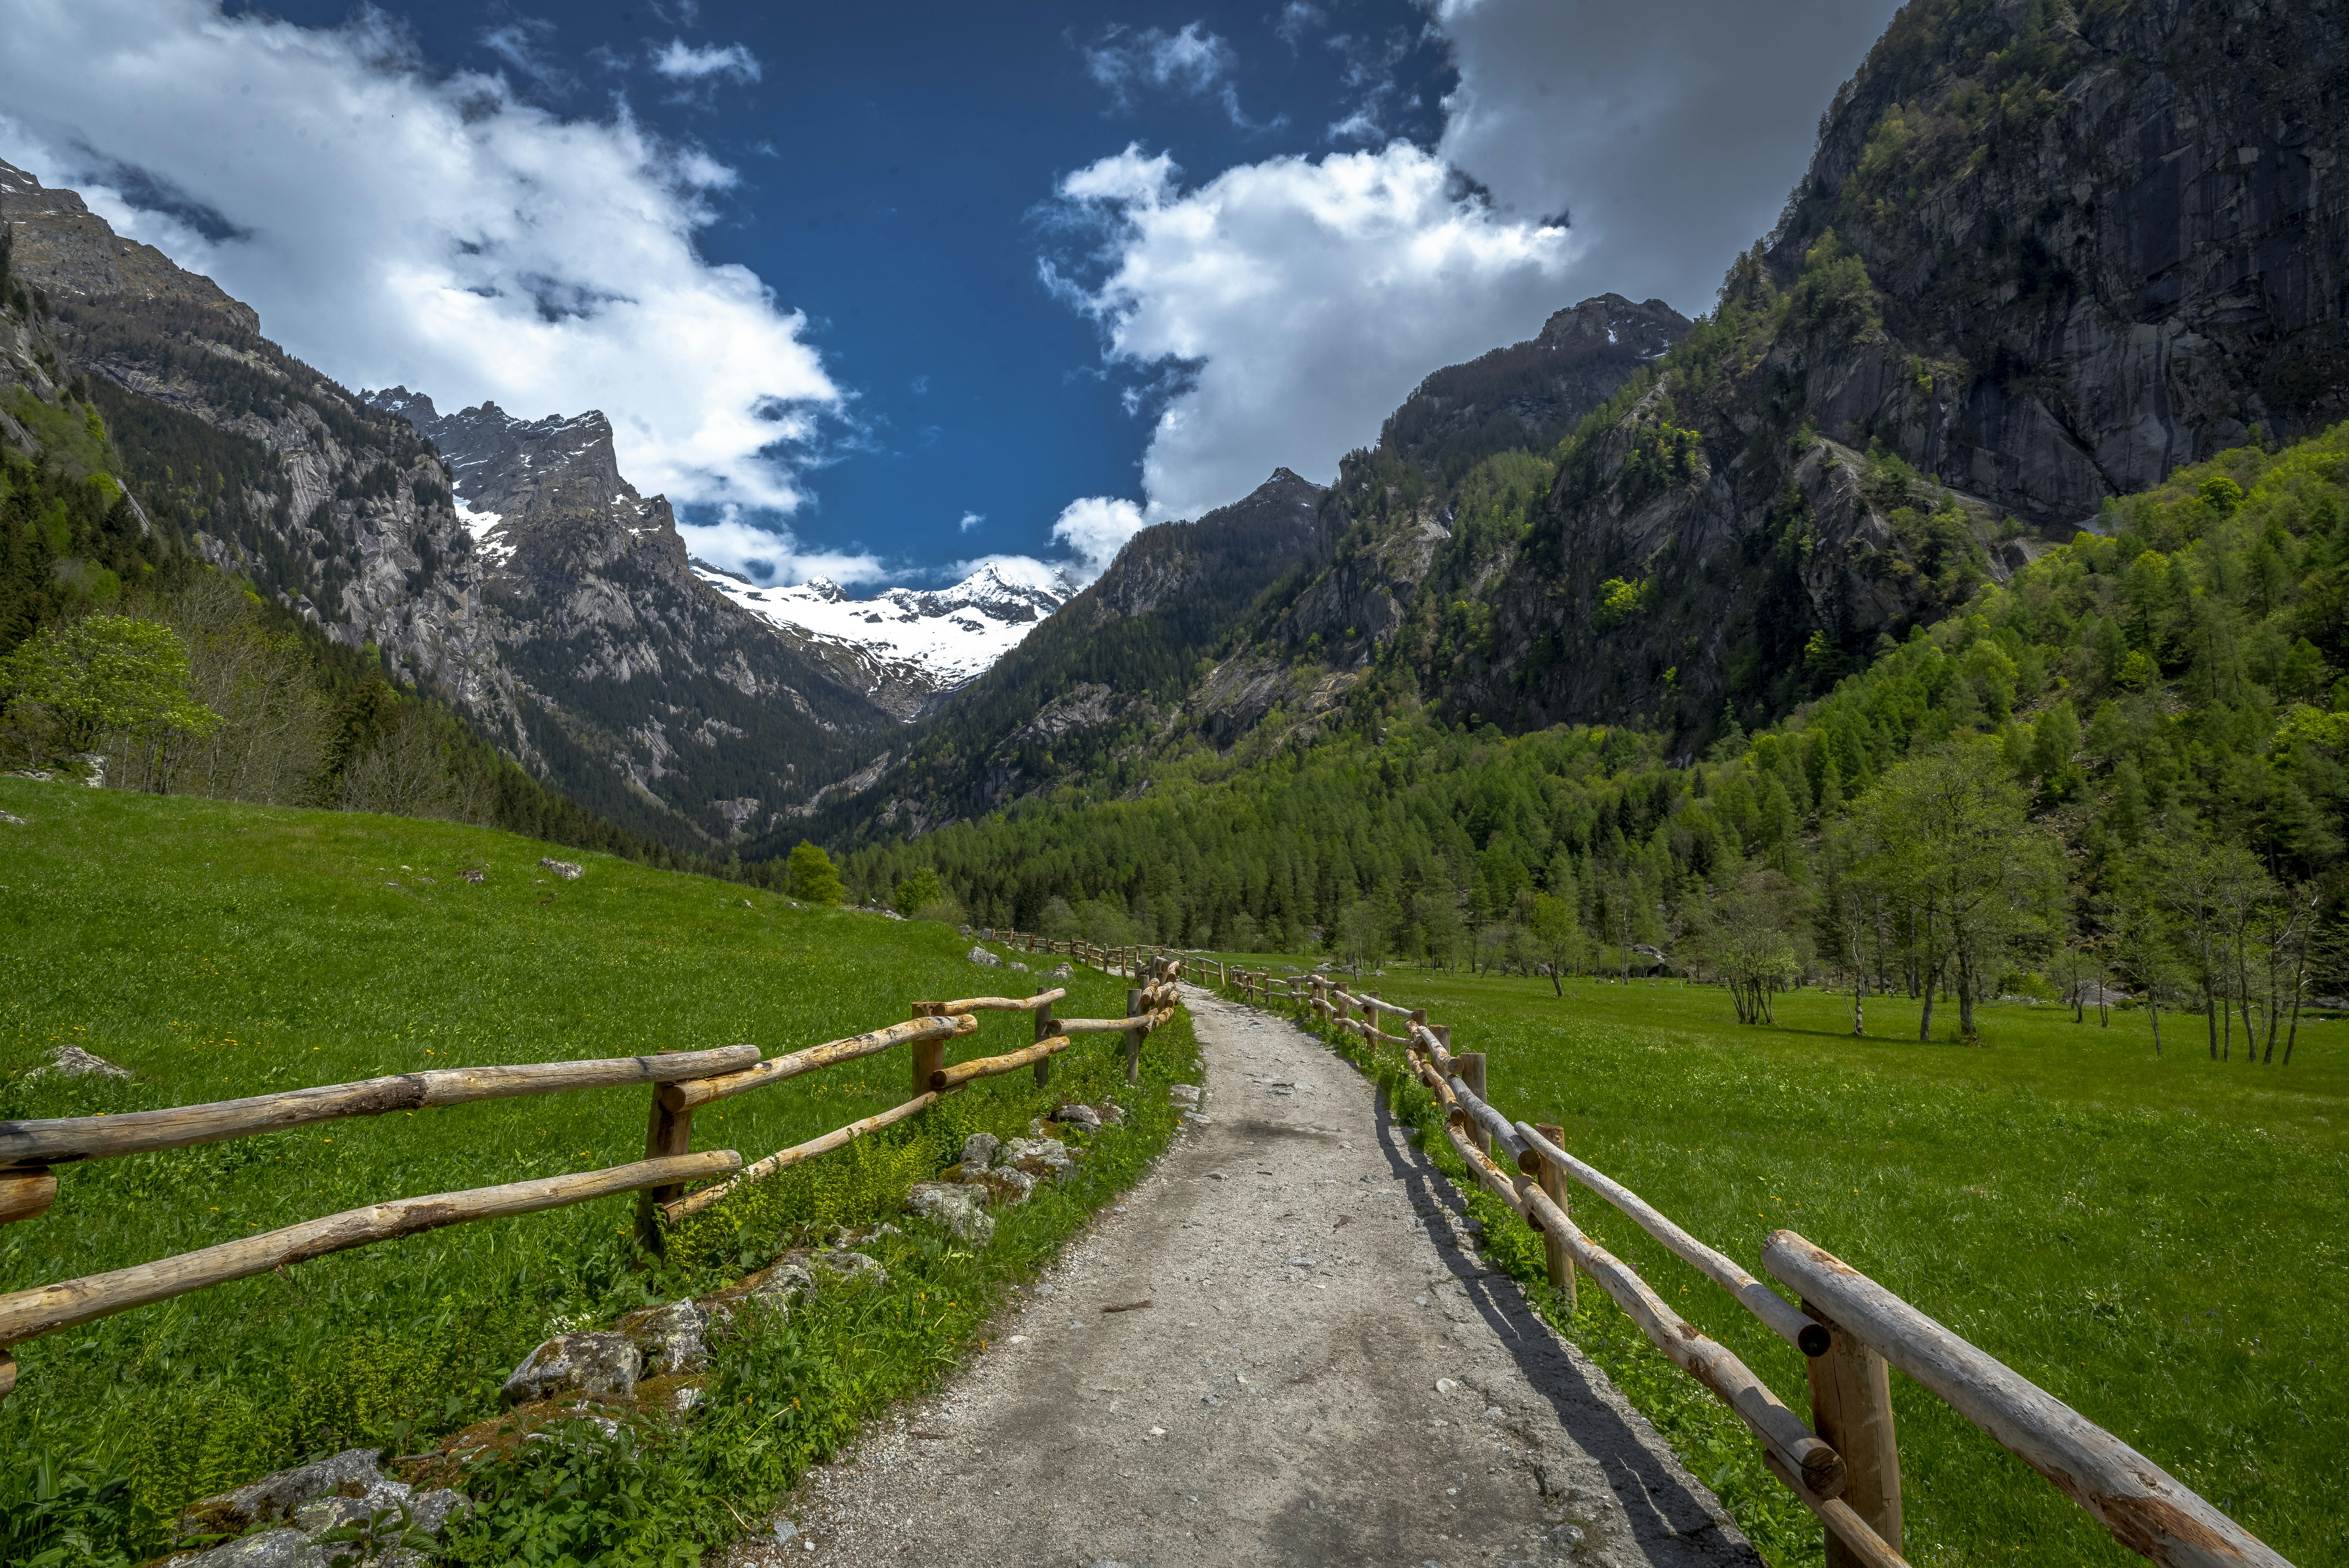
{"x":1325,"y":1373}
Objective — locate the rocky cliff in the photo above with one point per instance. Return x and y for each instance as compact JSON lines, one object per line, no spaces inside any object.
{"x":523,"y":578}
{"x":2045,"y":253}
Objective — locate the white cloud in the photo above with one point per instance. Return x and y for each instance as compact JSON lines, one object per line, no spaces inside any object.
{"x":1094,"y":528}
{"x":682,"y":63}
{"x":393,"y":225}
{"x":971,"y":520}
{"x":1673,"y":130}
{"x":1295,"y":302}
{"x":1191,"y":60}
{"x":767,"y":555}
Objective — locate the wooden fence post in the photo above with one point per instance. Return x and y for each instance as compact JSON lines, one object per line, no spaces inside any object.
{"x":666,"y":1132}
{"x":1851,"y":1410}
{"x":25,"y":1193}
{"x":930,"y":1055}
{"x":1043,"y":1032}
{"x":1133,"y":1039}
{"x":1471,"y":1065}
{"x":1561,"y":1261}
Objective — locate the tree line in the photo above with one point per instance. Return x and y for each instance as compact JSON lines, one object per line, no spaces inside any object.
{"x":2122,"y":773}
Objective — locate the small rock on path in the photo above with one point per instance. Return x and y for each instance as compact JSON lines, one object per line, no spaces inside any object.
{"x":1324,"y":1374}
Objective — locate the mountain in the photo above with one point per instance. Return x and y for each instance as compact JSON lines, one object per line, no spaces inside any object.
{"x":1113,"y":665}
{"x":907,"y":648}
{"x":2043,"y":255}
{"x":523,"y":578}
{"x":653,"y":694}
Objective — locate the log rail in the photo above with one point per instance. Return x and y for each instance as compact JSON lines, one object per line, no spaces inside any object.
{"x":1844,"y":1465}
{"x":680,"y":1081}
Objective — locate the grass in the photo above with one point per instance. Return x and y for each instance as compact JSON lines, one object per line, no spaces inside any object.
{"x":220,"y":951}
{"x":2158,"y":1242}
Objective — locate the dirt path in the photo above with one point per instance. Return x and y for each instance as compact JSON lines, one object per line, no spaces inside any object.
{"x":1279,"y":1401}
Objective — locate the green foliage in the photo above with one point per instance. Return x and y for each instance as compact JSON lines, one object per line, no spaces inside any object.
{"x":915,"y":890}
{"x":813,"y":879}
{"x":1619,"y":601}
{"x":74,"y":683}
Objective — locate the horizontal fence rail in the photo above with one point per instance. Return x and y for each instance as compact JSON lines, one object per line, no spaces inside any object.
{"x":1844,"y":1465}
{"x":681,"y":1082}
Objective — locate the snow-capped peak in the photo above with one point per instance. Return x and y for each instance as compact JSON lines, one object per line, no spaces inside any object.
{"x":937,"y":638}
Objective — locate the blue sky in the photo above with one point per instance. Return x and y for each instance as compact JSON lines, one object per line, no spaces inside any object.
{"x":874,"y":291}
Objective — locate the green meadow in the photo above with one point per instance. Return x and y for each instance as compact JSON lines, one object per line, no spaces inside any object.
{"x":2157,"y":1240}
{"x":218,"y":951}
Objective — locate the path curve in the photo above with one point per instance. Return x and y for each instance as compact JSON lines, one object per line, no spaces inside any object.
{"x":1278,"y":1403}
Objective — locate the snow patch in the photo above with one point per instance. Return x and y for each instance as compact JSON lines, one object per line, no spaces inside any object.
{"x":487,"y":528}
{"x":950,"y":635}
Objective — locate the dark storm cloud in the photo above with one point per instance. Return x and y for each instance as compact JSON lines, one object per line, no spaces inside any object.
{"x":1673,"y":131}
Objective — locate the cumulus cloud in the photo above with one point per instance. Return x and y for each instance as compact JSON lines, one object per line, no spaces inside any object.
{"x":1286,"y":307}
{"x":764,"y":553}
{"x":680,"y":62}
{"x":1673,"y":130}
{"x":1094,"y":530}
{"x":396,"y":226}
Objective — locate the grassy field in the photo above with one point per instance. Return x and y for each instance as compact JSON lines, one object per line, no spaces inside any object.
{"x":2158,"y":1241}
{"x":220,"y":951}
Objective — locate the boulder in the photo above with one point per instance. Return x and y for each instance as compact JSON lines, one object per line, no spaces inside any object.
{"x":284,"y":1548}
{"x":982,"y":957}
{"x":275,"y":1497}
{"x":961,"y":1210}
{"x":72,"y":1061}
{"x":1112,"y":1113}
{"x":1041,"y":1157}
{"x":1007,"y":1187}
{"x":1063,"y":973}
{"x":670,"y":1336}
{"x":978,"y":1152}
{"x":1082,"y":1116}
{"x":1016,"y":967}
{"x":567,"y":870}
{"x":601,"y":1363}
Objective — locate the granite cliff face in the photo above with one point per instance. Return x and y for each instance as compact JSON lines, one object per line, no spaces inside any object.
{"x":522,"y":578}
{"x":619,"y":646}
{"x":2045,"y":253}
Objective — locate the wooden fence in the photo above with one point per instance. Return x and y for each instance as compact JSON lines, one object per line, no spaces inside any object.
{"x":1845,"y":1465}
{"x":680,"y":1081}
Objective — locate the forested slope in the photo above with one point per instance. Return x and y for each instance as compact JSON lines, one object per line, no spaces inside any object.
{"x":2130,"y":757}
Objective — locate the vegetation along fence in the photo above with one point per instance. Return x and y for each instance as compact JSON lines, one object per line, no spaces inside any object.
{"x":31,"y":1150}
{"x":1845,"y":1465}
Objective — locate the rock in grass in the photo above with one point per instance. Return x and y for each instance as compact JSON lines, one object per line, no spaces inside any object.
{"x":1063,"y":973}
{"x":568,"y":871}
{"x":983,"y":958}
{"x":961,"y":1210}
{"x":275,"y":1497}
{"x":602,"y":1363}
{"x":72,"y":1061}
{"x":978,"y":1152}
{"x":670,"y":1336}
{"x":285,"y":1548}
{"x":1005,"y":1186}
{"x":1082,"y":1116}
{"x":1041,"y":1157}
{"x":1184,"y":1093}
{"x":13,"y":819}
{"x":1112,"y":1113}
